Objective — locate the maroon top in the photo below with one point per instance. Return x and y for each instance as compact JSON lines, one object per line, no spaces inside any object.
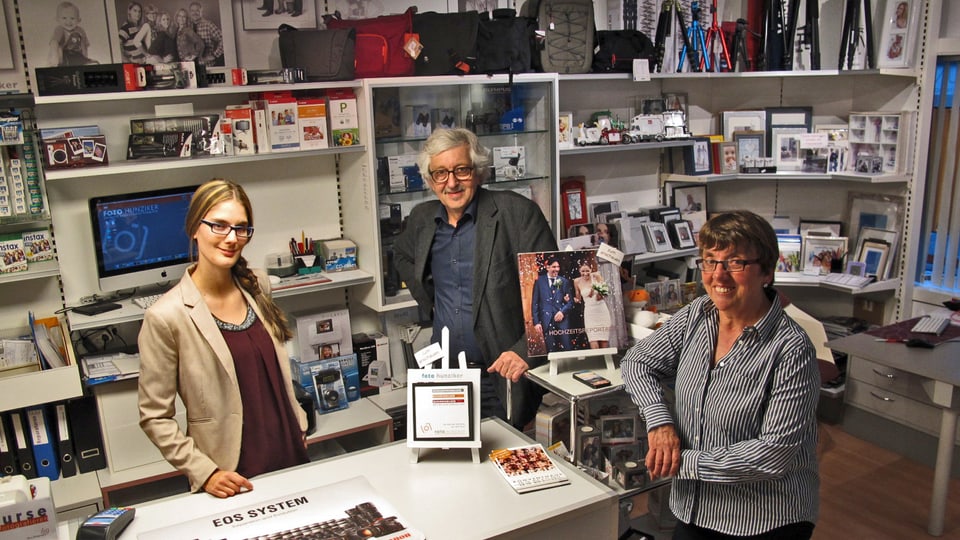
{"x":271,"y":437}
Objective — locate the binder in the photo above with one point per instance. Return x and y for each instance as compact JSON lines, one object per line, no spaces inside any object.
{"x":84,"y":425}
{"x":44,"y":447}
{"x":8,"y":457}
{"x":68,"y":465}
{"x":21,"y":445}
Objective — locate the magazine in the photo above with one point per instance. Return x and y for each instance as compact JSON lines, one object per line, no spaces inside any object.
{"x":528,"y":468}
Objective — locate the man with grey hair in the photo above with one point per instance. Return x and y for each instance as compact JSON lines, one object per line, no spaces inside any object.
{"x":458,"y":256}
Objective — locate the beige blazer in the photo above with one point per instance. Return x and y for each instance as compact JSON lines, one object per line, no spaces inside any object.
{"x":182,"y":351}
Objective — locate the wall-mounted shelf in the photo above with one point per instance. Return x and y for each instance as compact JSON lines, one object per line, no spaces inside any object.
{"x":595,"y":148}
{"x":37,"y":270}
{"x":891,"y":72}
{"x":192,"y":92}
{"x":791,"y":175}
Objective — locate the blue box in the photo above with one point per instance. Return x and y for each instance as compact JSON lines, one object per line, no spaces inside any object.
{"x":305,"y":371}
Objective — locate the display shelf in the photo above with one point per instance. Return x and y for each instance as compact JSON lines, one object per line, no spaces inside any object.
{"x":191,"y":92}
{"x":909,"y":73}
{"x":37,"y":270}
{"x":789,"y":176}
{"x":597,"y":148}
{"x":150,"y":165}
{"x":482,"y":136}
{"x":19,"y":223}
{"x":644,"y":258}
{"x":785,"y":279}
{"x":40,"y":387}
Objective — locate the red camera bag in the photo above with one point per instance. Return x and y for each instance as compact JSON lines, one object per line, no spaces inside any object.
{"x":379,"y":46}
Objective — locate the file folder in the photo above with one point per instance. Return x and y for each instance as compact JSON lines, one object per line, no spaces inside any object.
{"x":21,"y":445}
{"x":68,"y":465}
{"x":84,"y":424}
{"x":44,"y":447}
{"x":8,"y":457}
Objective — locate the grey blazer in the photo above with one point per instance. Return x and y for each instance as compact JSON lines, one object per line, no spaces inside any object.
{"x":507,"y":224}
{"x":182,"y":351}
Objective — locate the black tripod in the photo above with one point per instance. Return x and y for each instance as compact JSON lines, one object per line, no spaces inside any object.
{"x":739,"y":54}
{"x":853,"y":35}
{"x":669,"y":8}
{"x":810,"y":32}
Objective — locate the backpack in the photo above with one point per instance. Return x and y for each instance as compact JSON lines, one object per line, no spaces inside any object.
{"x":380,"y":41}
{"x":617,"y":49}
{"x":506,"y":43}
{"x":449,"y":42}
{"x":568,"y":28}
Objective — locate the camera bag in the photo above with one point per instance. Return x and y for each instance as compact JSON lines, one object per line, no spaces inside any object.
{"x":449,"y":42}
{"x":506,"y":43}
{"x":324,"y":55}
{"x":617,"y":49}
{"x":568,"y":29}
{"x":380,"y":43}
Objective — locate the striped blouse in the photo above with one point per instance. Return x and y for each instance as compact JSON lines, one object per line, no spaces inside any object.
{"x":747,"y":427}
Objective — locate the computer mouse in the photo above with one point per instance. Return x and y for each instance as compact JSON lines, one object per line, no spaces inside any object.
{"x":920,"y":343}
{"x":274,"y":280}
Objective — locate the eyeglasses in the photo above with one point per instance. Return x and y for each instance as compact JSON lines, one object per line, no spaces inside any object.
{"x":731,"y":265}
{"x":440,"y":176}
{"x":243,"y":231}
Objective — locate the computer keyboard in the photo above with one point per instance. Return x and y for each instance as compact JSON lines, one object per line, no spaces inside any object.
{"x":145,"y":302}
{"x":931,"y":325}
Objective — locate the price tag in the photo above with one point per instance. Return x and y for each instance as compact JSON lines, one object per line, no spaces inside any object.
{"x":641,"y":69}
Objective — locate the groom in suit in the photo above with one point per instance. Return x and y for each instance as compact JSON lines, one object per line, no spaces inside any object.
{"x":552,"y":302}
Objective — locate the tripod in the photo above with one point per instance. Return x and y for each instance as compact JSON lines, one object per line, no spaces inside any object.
{"x":695,"y":44}
{"x":811,"y":34}
{"x":664,"y":30}
{"x":715,"y":34}
{"x":739,"y":54}
{"x":853,"y":35}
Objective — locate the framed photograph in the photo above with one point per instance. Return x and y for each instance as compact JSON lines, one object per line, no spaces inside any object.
{"x":876,"y":210}
{"x":84,"y":42}
{"x":696,"y":158}
{"x":873,"y":254}
{"x":823,"y":254}
{"x":657,"y":238}
{"x":742,"y":121}
{"x":574,"y":200}
{"x":618,"y":429}
{"x":676,"y":101}
{"x":786,"y":150}
{"x":727,"y":151}
{"x":655,"y":294}
{"x":672,"y":294}
{"x":898,"y":33}
{"x":270,"y":14}
{"x":856,"y":268}
{"x":791,"y":247}
{"x":565,"y":130}
{"x":652,"y":105}
{"x":750,"y":146}
{"x":838,"y":146}
{"x":126,"y":19}
{"x":813,"y":227}
{"x":787,"y":120}
{"x":888,"y":237}
{"x":692,"y":202}
{"x":681,"y":231}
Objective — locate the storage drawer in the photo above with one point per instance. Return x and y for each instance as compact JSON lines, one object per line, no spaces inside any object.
{"x":912,"y":413}
{"x":888,"y":378}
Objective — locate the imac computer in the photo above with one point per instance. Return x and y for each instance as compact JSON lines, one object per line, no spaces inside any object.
{"x":140,"y":238}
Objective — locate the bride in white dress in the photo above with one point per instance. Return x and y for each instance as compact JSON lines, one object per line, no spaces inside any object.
{"x":596,"y":315}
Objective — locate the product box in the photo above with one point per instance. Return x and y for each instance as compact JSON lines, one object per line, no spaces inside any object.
{"x":12,"y":256}
{"x":172,"y":75}
{"x":312,"y":116}
{"x":75,"y":152}
{"x":386,"y":112}
{"x":328,"y":387}
{"x":338,"y":254}
{"x":90,"y":79}
{"x":344,"y":121}
{"x":443,"y":118}
{"x":284,"y":133}
{"x":323,"y":334}
{"x":166,"y":144}
{"x":552,"y":424}
{"x":416,"y":121}
{"x":37,"y":245}
{"x":370,"y":348}
{"x":509,"y":162}
{"x":304,"y":373}
{"x":240,"y":120}
{"x":11,"y":129}
{"x":396,"y":165}
{"x":204,"y":127}
{"x":29,"y":512}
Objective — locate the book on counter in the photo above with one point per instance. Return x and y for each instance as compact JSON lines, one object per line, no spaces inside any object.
{"x":528,"y":468}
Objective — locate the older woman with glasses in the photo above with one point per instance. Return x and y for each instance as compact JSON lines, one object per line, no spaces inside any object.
{"x":740,"y":440}
{"x":217,"y":340}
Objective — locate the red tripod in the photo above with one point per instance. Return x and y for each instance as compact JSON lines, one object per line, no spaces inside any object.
{"x":714,"y":34}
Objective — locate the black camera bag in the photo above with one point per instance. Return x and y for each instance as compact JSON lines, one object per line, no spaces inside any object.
{"x":617,"y":49}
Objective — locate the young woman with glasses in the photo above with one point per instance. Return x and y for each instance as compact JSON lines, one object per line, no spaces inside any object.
{"x":217,"y":340}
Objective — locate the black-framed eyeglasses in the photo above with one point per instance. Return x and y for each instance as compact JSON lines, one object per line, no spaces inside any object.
{"x":440,"y":176}
{"x":730,"y":265}
{"x":243,"y":231}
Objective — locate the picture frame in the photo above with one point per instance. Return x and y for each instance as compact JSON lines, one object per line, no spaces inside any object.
{"x":875,"y":210}
{"x":655,"y":294}
{"x":891,"y":238}
{"x":681,"y":230}
{"x":696,"y":158}
{"x":786,"y":151}
{"x":616,"y":429}
{"x":257,"y":19}
{"x":856,"y":268}
{"x":787,"y":120}
{"x":898,"y":33}
{"x":727,"y":156}
{"x":873,"y":254}
{"x":815,"y":227}
{"x":755,"y":120}
{"x":219,"y":13}
{"x":658,"y":240}
{"x":791,"y":248}
{"x":672,"y":294}
{"x":93,"y":22}
{"x":565,"y":130}
{"x":750,"y":145}
{"x":574,"y":201}
{"x":692,"y":202}
{"x":676,"y":101}
{"x":822,"y":255}
{"x":652,"y":105}
{"x":838,"y":146}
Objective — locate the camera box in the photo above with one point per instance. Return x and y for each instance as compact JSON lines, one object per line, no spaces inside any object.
{"x":304,"y":373}
{"x":12,"y":256}
{"x":443,"y":118}
{"x":323,"y":334}
{"x":396,"y":167}
{"x":416,"y":120}
{"x":165,"y":144}
{"x":37,"y":245}
{"x":328,"y":386}
{"x":371,"y":347}
{"x":386,"y":112}
{"x":338,"y":255}
{"x":344,"y":121}
{"x":204,"y":127}
{"x":63,"y":153}
{"x":172,"y":75}
{"x":90,"y":79}
{"x":509,"y":162}
{"x":312,"y":118}
{"x":240,"y":119}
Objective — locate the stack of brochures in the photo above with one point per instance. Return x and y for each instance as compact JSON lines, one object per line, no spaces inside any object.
{"x":110,"y":367}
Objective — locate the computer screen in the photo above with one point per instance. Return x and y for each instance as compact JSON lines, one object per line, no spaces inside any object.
{"x":140,"y":237}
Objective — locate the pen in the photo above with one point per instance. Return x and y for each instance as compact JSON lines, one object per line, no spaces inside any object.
{"x":890,"y":340}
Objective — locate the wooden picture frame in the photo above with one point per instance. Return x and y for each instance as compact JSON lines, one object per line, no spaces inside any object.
{"x":782,"y":120}
{"x":873,"y":254}
{"x":742,"y":121}
{"x":574,"y":201}
{"x":697,"y":159}
{"x":898,"y":33}
{"x":820,"y":252}
{"x":750,"y":145}
{"x":621,"y":428}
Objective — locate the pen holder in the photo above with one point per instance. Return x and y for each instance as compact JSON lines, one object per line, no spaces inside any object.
{"x":305,"y":264}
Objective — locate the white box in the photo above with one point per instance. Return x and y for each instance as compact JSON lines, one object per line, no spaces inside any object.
{"x":395,"y":166}
{"x":283,"y":130}
{"x":30,"y":509}
{"x":344,"y":121}
{"x":416,"y":121}
{"x":242,"y":137}
{"x":312,"y":118}
{"x":509,"y":162}
{"x":338,"y":255}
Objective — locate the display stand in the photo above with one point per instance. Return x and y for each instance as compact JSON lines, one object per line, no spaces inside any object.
{"x":443,"y":406}
{"x":555,"y":358}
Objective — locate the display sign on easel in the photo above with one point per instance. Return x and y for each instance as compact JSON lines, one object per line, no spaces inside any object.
{"x":443,"y":405}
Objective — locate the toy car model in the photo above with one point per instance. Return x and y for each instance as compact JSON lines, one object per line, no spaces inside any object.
{"x":644,"y":127}
{"x":590,"y":135}
{"x":675,"y":125}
